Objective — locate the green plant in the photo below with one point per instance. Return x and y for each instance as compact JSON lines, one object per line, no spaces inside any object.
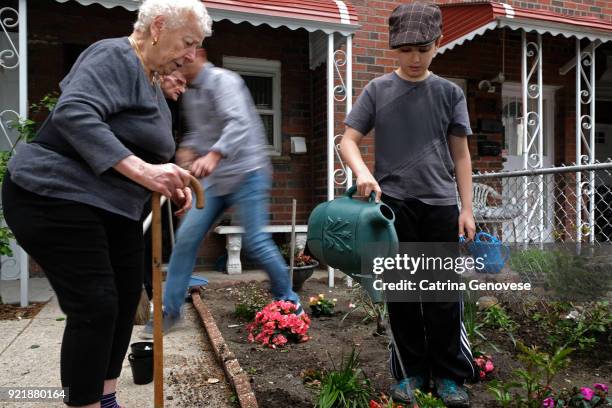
{"x":251,"y":299}
{"x":496,"y":317}
{"x":534,"y":378}
{"x":470,"y":320}
{"x":501,"y":392}
{"x":346,"y":387}
{"x":377,"y":312}
{"x":427,"y":400}
{"x":5,"y":236}
{"x":539,"y":372}
{"x":27,"y":127}
{"x":566,"y":275}
{"x":579,"y":277}
{"x":569,"y":325}
{"x":532,"y":263}
{"x":320,"y":306}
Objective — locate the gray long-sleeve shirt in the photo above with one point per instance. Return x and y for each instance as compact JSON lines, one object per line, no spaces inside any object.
{"x":221,"y":116}
{"x":107,"y":111}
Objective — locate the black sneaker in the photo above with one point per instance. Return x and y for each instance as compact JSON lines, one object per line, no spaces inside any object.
{"x":452,"y":394}
{"x":403,"y":391}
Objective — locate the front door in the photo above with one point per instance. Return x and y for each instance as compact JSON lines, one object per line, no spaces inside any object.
{"x":532,"y":221}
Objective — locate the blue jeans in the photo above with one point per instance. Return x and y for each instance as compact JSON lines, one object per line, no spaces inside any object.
{"x":252,"y":199}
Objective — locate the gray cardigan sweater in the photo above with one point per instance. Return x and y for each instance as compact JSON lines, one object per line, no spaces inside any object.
{"x":107,"y":111}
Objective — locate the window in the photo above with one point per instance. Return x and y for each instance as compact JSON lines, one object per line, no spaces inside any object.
{"x":262,"y":77}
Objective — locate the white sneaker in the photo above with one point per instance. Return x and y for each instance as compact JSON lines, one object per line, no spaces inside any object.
{"x":169,"y":323}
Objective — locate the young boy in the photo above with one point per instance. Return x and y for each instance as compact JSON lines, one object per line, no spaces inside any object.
{"x":421,"y":123}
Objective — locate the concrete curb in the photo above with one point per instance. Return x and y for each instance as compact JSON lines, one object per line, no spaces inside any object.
{"x":237,"y":376}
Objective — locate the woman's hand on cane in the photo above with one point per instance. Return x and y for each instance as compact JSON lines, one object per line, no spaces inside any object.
{"x":162,"y":178}
{"x":183,"y":199}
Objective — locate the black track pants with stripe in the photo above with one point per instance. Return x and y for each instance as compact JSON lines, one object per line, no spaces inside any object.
{"x":427,"y":338}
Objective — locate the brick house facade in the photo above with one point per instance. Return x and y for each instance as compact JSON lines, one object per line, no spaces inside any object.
{"x":57,"y":32}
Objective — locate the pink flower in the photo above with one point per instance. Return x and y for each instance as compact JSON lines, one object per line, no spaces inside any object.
{"x":279,"y":340}
{"x":489,"y":366}
{"x":601,"y":387}
{"x":587,"y":393}
{"x":482,"y":374}
{"x":548,"y":403}
{"x":276,"y":323}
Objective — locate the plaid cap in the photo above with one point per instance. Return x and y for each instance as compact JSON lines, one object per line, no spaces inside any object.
{"x":414,"y":24}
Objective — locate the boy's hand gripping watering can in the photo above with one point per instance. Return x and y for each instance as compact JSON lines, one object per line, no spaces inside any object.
{"x":345,"y":232}
{"x":491,"y":250}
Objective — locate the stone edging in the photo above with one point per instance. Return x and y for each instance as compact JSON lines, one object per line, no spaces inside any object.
{"x":235,"y":373}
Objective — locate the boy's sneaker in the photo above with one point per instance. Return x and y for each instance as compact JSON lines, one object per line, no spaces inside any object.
{"x":403,"y":391}
{"x":169,"y":323}
{"x":452,"y":394}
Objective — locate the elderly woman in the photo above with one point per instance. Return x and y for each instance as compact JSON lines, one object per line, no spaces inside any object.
{"x":74,"y":196}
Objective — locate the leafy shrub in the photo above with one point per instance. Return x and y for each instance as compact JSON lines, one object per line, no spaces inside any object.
{"x":346,"y":387}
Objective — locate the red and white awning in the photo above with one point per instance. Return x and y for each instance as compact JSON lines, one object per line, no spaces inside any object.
{"x":464,"y":21}
{"x":329,"y":16}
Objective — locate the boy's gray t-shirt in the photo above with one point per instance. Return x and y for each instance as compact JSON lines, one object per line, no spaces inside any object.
{"x":412,"y":121}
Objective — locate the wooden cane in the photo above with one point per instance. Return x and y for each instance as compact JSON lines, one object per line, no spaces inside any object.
{"x":158,"y":334}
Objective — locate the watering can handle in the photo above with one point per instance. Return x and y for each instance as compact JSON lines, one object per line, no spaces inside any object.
{"x":490,"y":237}
{"x":353,"y":189}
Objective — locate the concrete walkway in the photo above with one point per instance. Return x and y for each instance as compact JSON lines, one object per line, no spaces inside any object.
{"x":30,"y":351}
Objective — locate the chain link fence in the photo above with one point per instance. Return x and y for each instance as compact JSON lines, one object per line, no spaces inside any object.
{"x":560,"y":204}
{"x":558,"y":225}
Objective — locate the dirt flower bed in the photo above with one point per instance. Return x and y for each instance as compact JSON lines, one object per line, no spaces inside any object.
{"x":290,"y":376}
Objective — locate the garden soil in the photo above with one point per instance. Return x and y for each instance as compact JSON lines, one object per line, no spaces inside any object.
{"x":281,"y":377}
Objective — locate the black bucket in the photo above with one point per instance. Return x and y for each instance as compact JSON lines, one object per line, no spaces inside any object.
{"x":142,"y":349}
{"x":141,"y":362}
{"x":142,"y":369}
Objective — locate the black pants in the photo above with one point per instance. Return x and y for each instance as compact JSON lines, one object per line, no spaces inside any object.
{"x":427,"y":338}
{"x":93,"y":260}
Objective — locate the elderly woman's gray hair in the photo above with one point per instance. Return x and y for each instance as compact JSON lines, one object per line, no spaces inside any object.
{"x":174,"y":11}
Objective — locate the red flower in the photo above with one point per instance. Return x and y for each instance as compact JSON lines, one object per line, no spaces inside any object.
{"x":276,"y":325}
{"x":485,"y":366}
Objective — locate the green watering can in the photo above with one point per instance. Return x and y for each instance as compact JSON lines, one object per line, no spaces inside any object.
{"x":345,"y":232}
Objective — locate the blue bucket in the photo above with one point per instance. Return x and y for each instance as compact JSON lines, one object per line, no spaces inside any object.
{"x":491,"y":250}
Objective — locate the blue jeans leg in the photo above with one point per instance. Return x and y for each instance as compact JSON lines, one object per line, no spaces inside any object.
{"x":182,"y":261}
{"x":252,"y":199}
